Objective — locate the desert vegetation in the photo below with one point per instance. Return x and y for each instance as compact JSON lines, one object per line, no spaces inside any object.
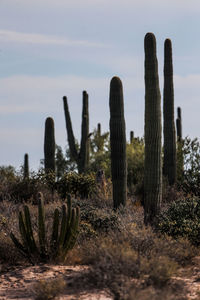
{"x":128,"y":210}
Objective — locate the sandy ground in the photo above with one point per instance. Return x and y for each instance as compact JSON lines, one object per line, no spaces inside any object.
{"x":18,"y":282}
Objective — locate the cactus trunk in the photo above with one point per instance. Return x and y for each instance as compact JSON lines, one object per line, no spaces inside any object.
{"x":118,"y":143}
{"x":153,"y":171}
{"x":169,"y":162}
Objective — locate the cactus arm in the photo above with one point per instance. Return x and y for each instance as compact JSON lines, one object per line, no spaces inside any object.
{"x":21,"y":248}
{"x":84,"y":146}
{"x":41,"y":225}
{"x":30,"y":237}
{"x":69,"y":209}
{"x":23,"y":231}
{"x":70,"y":134}
{"x":54,"y":236}
{"x":63,"y":227}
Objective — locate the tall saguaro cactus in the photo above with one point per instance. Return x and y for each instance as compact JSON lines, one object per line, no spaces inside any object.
{"x":153,"y":169}
{"x":81,"y":157}
{"x":49,"y":146}
{"x":118,"y":143}
{"x":169,"y":162}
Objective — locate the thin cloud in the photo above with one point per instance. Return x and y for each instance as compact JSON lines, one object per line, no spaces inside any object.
{"x":41,"y":39}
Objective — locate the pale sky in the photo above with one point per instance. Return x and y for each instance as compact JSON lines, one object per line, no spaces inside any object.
{"x":49,"y":49}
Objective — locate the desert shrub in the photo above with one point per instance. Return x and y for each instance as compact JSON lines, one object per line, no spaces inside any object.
{"x":100,"y":153}
{"x":182,"y":219}
{"x":48,"y":289}
{"x":135,"y":165}
{"x":101,"y":220}
{"x":160,"y":270}
{"x":82,"y":185}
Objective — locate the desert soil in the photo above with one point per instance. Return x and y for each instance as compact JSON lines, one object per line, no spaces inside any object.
{"x":18,"y":282}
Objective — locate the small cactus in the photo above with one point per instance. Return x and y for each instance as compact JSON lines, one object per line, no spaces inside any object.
{"x":61,"y":240}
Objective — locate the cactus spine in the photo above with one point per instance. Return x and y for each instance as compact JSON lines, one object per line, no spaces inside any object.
{"x":118,"y":143}
{"x":81,"y":157}
{"x":49,"y":146}
{"x":61,"y":240}
{"x":26,"y":166}
{"x":169,"y":162}
{"x":153,"y":171}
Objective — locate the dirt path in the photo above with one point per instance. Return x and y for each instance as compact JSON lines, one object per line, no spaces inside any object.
{"x":17,"y":283}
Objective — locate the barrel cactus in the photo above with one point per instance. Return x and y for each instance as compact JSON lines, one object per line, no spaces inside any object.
{"x":118,"y":143}
{"x":153,"y":163}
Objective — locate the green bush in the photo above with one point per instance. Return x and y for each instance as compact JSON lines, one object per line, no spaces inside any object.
{"x":82,"y":185}
{"x":190,"y":180}
{"x":182,"y":219}
{"x":135,"y":164}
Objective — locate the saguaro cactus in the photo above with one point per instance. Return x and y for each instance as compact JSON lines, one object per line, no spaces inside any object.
{"x":169,"y":162}
{"x":153,"y":171}
{"x":26,"y":166}
{"x":81,"y":157}
{"x":118,"y":143}
{"x":49,"y":146}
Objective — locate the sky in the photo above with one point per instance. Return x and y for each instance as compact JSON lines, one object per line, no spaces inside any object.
{"x":50,"y":48}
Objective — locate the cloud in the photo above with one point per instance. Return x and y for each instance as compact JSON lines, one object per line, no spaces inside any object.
{"x":33,"y":38}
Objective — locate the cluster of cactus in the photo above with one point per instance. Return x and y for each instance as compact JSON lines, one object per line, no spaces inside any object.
{"x":153,"y":147}
{"x":169,"y":160}
{"x":63,"y":235}
{"x":82,"y":156}
{"x":118,"y":143}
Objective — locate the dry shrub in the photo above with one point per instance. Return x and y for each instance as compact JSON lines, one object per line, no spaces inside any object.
{"x":48,"y":289}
